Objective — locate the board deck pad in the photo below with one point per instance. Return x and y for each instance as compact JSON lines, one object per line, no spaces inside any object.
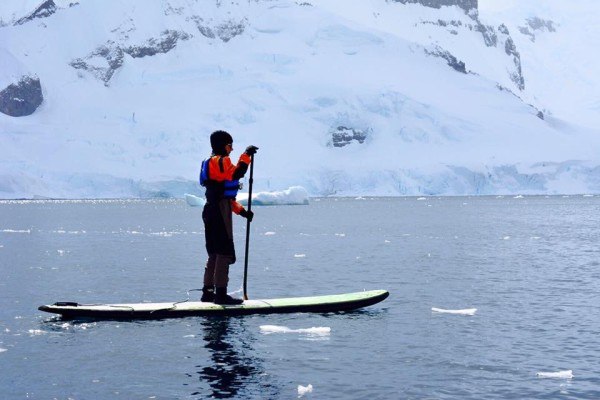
{"x":328,"y":303}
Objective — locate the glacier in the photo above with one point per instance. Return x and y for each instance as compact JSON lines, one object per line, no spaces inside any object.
{"x":343,"y":97}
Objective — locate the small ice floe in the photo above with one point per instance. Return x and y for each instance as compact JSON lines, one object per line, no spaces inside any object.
{"x":60,"y":252}
{"x":16,"y":230}
{"x":299,"y":255}
{"x":422,"y":198}
{"x":359,"y":198}
{"x":518,"y":197}
{"x":194,"y":201}
{"x":302,"y":390}
{"x":568,"y":374}
{"x":317,"y":331}
{"x":3,"y":350}
{"x":269,"y":233}
{"x":588,"y":195}
{"x":340,"y":234}
{"x":506,"y":238}
{"x":35,"y":332}
{"x":465,"y":311}
{"x":295,"y":195}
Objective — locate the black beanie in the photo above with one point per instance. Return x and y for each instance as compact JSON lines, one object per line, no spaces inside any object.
{"x":218,"y":141}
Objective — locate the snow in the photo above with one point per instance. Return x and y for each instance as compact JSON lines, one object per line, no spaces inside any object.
{"x":291,"y":77}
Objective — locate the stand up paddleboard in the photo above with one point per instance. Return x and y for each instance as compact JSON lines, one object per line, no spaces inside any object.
{"x":319,"y":304}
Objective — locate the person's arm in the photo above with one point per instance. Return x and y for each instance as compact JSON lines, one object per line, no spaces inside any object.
{"x":240,"y":210}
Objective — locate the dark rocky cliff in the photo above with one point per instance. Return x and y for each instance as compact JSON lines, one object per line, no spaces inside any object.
{"x":464,"y":4}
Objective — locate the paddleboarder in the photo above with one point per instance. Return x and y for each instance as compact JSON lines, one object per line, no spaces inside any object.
{"x":221,"y":178}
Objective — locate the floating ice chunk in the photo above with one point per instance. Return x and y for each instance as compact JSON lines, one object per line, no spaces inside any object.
{"x":466,"y":311}
{"x":36,"y":332}
{"x":3,"y":350}
{"x":506,"y":238}
{"x":269,"y":233}
{"x":588,"y":195}
{"x":195,"y":201}
{"x":16,"y":230}
{"x":340,"y":234}
{"x":60,"y":252}
{"x":299,"y":255}
{"x":518,"y":197}
{"x":422,"y":198}
{"x":568,"y":374}
{"x":295,"y":195}
{"x":302,"y":390}
{"x":320,"y":330}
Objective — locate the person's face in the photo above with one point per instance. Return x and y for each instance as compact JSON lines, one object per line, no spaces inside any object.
{"x":228,"y":148}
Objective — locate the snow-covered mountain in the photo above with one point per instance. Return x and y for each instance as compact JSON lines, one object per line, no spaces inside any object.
{"x":346,"y":97}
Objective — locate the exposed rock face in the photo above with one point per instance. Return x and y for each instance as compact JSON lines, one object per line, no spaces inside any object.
{"x":452,"y":61}
{"x":106,"y":59}
{"x":343,"y":136}
{"x":102,"y":62}
{"x":464,"y":4}
{"x":225,"y":30}
{"x":22,"y":98}
{"x":46,"y":9}
{"x":491,"y":36}
{"x":536,"y":24}
{"x":164,"y":44}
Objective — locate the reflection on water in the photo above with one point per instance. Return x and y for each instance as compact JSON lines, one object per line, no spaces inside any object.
{"x":231,"y":370}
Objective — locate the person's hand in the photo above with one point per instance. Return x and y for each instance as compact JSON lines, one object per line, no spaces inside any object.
{"x":247,"y":214}
{"x":251,"y":150}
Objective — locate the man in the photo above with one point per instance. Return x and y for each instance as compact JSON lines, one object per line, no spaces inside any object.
{"x":221,"y":178}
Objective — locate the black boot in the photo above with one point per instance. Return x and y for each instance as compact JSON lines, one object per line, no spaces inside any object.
{"x":221,"y":297}
{"x":208,"y":294}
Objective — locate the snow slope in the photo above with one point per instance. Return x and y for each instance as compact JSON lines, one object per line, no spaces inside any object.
{"x":133,"y":89}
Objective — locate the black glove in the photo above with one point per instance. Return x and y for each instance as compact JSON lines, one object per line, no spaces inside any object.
{"x":251,"y":150}
{"x":247,"y":214}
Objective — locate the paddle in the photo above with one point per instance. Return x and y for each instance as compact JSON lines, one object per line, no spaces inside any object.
{"x":250,"y":181}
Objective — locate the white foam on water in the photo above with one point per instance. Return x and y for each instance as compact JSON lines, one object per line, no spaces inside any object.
{"x":302,"y":390}
{"x":299,"y":255}
{"x":269,"y":233}
{"x":568,"y":374}
{"x":588,"y":195}
{"x":16,"y":230}
{"x":317,"y":331}
{"x":422,"y":198}
{"x":518,"y":197}
{"x":60,"y":252}
{"x":36,"y":332}
{"x":465,"y":311}
{"x":340,"y":234}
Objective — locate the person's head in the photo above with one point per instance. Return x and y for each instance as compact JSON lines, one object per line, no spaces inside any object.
{"x":221,"y":143}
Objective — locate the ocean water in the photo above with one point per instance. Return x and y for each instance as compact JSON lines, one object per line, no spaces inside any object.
{"x":530,"y":266}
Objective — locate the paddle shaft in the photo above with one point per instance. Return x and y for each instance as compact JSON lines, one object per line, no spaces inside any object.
{"x":250,"y":181}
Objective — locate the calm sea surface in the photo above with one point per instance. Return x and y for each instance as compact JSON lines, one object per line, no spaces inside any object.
{"x":530,"y":266}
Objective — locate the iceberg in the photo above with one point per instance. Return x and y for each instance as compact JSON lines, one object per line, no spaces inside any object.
{"x":466,"y":311}
{"x":568,"y":374}
{"x":295,"y":195}
{"x":195,"y":201}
